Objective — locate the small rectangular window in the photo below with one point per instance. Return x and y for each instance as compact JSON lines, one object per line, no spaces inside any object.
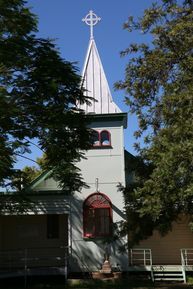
{"x":52,"y":226}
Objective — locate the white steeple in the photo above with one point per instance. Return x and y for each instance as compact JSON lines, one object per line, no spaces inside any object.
{"x":93,"y":77}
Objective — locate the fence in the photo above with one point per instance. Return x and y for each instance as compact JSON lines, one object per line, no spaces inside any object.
{"x":34,"y":261}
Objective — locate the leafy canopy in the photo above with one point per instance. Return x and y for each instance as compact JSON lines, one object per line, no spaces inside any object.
{"x":39,"y":92}
{"x":159,"y":86}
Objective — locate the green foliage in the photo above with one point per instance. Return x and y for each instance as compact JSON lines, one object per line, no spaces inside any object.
{"x":21,"y":179}
{"x":159,"y":84}
{"x":39,"y":93}
{"x":29,"y":174}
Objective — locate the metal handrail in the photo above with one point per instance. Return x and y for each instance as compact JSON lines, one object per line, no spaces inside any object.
{"x":187,"y":256}
{"x":141,"y":256}
{"x":186,"y":260}
{"x":183,"y":265}
{"x":145,"y":260}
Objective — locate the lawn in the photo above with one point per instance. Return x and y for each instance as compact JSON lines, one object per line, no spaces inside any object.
{"x":59,"y":283}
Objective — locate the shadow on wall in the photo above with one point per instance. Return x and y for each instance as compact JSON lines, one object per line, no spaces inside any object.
{"x":89,"y":254}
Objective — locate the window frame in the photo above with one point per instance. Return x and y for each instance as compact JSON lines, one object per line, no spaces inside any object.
{"x":109,"y":138}
{"x":95,"y":202}
{"x":100,"y":145}
{"x":97,"y":133}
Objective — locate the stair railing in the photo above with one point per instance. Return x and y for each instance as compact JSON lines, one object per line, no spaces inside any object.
{"x":186,"y":260}
{"x":142,"y":257}
{"x":183,"y":265}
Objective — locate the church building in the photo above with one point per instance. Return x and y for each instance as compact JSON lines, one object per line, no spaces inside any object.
{"x":78,"y":233}
{"x":80,"y":228}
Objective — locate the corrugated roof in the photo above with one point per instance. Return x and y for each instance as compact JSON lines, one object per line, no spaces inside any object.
{"x":96,"y":85}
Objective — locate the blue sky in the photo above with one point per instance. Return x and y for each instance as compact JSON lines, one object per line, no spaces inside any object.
{"x":61,"y":20}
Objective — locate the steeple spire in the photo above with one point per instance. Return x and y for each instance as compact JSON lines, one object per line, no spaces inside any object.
{"x":91,"y":19}
{"x":93,"y":76}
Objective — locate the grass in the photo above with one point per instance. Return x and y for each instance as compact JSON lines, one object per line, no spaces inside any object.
{"x":59,"y":283}
{"x":190,"y":280}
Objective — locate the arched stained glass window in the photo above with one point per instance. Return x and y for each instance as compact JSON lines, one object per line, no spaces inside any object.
{"x":97,"y":216}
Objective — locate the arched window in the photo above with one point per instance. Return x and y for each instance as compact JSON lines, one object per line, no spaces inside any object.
{"x":97,"y":216}
{"x":95,"y":138}
{"x":101,"y":139}
{"x":105,"y":138}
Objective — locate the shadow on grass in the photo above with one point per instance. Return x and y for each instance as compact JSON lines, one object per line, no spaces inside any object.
{"x":59,"y":283}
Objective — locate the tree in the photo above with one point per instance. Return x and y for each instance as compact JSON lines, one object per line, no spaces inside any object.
{"x":29,"y":173}
{"x":39,"y":92}
{"x":158,"y":82}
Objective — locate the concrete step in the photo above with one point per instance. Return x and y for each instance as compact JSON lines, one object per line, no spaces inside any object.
{"x":167,"y":268}
{"x":169,"y":279}
{"x":167,"y":274}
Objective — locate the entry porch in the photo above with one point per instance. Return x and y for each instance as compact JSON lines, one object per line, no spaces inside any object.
{"x":142,"y":260}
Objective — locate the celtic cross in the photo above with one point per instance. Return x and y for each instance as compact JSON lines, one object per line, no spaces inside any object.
{"x":91,"y":19}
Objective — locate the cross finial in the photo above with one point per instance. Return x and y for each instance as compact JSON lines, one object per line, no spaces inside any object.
{"x":91,"y":19}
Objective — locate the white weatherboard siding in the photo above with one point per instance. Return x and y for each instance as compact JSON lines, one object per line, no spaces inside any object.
{"x":91,"y":252}
{"x":44,"y":204}
{"x":108,"y":166}
{"x":50,"y":204}
{"x":48,"y":184}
